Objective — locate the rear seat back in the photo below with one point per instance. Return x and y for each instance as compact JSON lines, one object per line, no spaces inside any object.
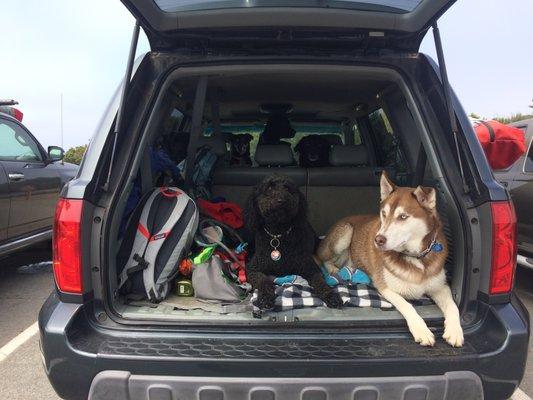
{"x":236,"y":183}
{"x":348,"y":187}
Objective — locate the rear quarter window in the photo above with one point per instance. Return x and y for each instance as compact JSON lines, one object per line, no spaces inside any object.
{"x":388,"y":143}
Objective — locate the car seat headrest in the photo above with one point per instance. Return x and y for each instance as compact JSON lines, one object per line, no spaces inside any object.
{"x":333,"y":139}
{"x":274,"y":155}
{"x":215,"y":142}
{"x":348,"y":156}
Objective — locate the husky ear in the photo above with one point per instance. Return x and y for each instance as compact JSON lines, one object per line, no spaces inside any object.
{"x":426,"y":196}
{"x":386,"y":186}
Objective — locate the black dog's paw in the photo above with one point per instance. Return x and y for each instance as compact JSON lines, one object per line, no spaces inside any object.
{"x":333,"y":300}
{"x":266,"y":298}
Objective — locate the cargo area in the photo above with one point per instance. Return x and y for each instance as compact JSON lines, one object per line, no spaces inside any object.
{"x":338,"y":128}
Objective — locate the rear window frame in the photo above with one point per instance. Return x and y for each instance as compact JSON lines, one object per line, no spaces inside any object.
{"x":396,"y":7}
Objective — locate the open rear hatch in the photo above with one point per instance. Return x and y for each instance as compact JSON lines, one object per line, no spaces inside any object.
{"x":387,"y":24}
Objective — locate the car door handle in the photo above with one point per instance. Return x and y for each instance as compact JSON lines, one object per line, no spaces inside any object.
{"x":16,"y":177}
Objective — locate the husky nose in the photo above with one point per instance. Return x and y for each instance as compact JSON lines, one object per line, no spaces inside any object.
{"x":380,"y":240}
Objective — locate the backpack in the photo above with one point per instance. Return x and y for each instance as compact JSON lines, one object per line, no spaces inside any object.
{"x":204,"y":163}
{"x":502,"y":144}
{"x":159,"y":234}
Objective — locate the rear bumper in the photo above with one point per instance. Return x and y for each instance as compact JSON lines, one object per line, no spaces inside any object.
{"x":81,"y":357}
{"x":124,"y":386}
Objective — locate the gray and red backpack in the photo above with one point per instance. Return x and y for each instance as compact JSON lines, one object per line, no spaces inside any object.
{"x":158,"y":235}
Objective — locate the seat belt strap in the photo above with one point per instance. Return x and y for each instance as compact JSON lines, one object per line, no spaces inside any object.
{"x":147,"y":182}
{"x":420,"y":168}
{"x":196,"y":128}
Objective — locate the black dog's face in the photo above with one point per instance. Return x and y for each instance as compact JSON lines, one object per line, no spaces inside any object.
{"x":241,"y":144}
{"x":278,"y":200}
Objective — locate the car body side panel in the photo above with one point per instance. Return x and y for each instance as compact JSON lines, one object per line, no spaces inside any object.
{"x":5,"y":203}
{"x":522,"y":195}
{"x":33,"y":198}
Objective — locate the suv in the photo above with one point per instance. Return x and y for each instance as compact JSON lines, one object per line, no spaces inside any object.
{"x":30,"y":181}
{"x":351,"y":73}
{"x":518,"y":179}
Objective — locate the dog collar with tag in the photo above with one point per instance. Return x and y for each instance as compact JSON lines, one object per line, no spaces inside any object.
{"x":435,"y":246}
{"x":275,"y":254}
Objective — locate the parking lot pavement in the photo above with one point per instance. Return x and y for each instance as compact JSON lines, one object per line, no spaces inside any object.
{"x":23,"y":290}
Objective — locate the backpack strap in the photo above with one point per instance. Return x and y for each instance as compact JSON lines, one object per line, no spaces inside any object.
{"x":492,"y":135}
{"x":196,"y":130}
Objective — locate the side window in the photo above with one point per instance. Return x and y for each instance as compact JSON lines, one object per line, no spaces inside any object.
{"x":388,"y":143}
{"x":16,"y":144}
{"x":528,"y":165}
{"x":357,"y":139}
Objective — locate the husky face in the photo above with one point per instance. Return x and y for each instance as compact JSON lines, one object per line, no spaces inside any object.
{"x":407,"y":216}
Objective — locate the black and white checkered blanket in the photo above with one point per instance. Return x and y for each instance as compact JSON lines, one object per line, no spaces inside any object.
{"x":298,"y":295}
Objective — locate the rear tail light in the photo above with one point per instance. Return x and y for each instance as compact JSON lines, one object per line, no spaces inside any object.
{"x":503,"y":247}
{"x":67,"y":246}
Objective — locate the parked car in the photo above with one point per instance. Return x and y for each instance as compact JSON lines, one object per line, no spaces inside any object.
{"x":518,"y":179}
{"x":30,"y":182}
{"x":348,"y":70}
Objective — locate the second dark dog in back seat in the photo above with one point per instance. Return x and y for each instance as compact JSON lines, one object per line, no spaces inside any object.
{"x":240,"y":150}
{"x":313,"y":151}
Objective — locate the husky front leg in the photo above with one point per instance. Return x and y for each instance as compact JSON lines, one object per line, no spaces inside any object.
{"x":416,"y":324}
{"x":333,"y":251}
{"x":453,"y":332}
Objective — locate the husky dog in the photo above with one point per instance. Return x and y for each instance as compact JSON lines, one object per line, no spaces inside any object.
{"x":403,"y":250}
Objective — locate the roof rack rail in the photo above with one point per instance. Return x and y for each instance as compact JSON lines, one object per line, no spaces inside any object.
{"x":6,"y":102}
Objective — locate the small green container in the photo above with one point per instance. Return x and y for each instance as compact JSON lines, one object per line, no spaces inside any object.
{"x":184,"y":288}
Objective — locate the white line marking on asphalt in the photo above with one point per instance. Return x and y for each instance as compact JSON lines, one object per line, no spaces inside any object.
{"x":520,"y":395}
{"x":18,"y":340}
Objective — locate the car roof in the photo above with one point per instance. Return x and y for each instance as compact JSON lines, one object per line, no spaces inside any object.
{"x":528,"y":121}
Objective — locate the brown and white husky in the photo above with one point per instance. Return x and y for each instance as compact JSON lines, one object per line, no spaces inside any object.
{"x":403,"y":250}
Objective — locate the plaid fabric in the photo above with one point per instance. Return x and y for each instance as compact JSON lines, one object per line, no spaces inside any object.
{"x":298,"y":295}
{"x":361,"y":295}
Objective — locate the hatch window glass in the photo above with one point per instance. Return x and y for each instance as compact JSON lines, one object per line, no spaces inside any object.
{"x":16,"y":144}
{"x":390,"y":6}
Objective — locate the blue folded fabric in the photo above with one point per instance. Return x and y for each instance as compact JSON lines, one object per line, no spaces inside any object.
{"x":346,"y":276}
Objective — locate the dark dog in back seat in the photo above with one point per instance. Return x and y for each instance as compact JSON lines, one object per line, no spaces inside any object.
{"x":275,"y":214}
{"x":240,"y":150}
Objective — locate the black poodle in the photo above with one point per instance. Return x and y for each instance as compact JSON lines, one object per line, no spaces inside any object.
{"x":284,"y":240}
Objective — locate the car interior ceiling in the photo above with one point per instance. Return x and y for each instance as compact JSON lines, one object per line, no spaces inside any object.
{"x":367,"y":124}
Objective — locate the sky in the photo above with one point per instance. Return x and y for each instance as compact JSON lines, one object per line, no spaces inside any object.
{"x":77,"y":51}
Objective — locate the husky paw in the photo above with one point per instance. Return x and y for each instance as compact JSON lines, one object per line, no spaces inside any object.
{"x":333,"y":300}
{"x":453,"y":334}
{"x":422,"y":334}
{"x":331,"y":267}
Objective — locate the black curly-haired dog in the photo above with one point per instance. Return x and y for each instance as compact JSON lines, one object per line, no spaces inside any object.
{"x":284,"y":240}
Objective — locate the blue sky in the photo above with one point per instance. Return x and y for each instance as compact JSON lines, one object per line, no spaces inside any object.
{"x":79,"y":49}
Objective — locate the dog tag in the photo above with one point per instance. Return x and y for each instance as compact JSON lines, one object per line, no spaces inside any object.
{"x":437,"y":247}
{"x":275,"y":255}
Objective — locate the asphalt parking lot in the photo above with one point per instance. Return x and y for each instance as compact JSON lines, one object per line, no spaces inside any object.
{"x":24,"y":288}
